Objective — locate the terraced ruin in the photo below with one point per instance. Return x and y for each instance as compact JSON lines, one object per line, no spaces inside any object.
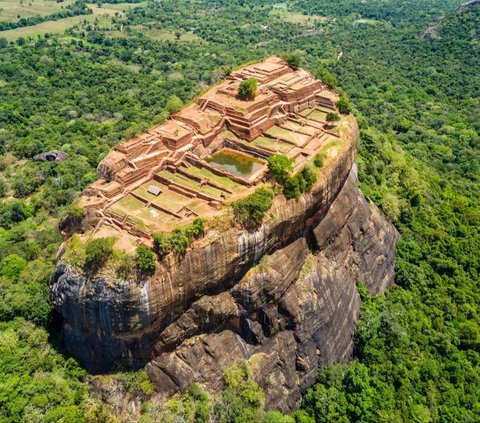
{"x":281,"y":294}
{"x":213,"y":151}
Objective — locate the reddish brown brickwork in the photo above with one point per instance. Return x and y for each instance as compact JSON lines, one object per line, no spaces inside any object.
{"x":287,"y":116}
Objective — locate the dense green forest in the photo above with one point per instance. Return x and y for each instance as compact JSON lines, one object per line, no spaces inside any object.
{"x":411,"y":70}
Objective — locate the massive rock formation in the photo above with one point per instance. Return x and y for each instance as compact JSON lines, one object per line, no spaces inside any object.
{"x":282,"y":295}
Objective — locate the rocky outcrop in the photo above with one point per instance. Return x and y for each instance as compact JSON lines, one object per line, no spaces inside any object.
{"x":51,"y":156}
{"x":282,"y":296}
{"x":468,"y":4}
{"x":292,"y":312}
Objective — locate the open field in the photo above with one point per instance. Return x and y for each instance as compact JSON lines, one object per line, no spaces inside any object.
{"x":13,"y":10}
{"x":158,"y":34}
{"x":102,"y":14}
{"x":297,"y":18}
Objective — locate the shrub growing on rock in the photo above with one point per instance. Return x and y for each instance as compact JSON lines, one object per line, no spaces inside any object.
{"x":252,"y":209}
{"x":281,"y":166}
{"x":291,"y":189}
{"x":179,"y":239}
{"x":145,"y":260}
{"x":97,"y":253}
{"x":344,"y":106}
{"x":161,"y":243}
{"x":318,"y":161}
{"x":332,"y":117}
{"x":247,"y":90}
{"x":326,"y":77}
{"x":303,"y":181}
{"x":309,"y":177}
{"x":196,"y":229}
{"x":293,"y":59}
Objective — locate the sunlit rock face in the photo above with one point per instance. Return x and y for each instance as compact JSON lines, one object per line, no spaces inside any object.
{"x":282,"y":295}
{"x":291,"y":313}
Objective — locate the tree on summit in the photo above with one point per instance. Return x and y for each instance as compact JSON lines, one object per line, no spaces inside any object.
{"x":293,"y":59}
{"x":247,"y":90}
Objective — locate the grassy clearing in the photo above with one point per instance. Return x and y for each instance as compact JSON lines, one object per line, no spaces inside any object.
{"x":142,"y":216}
{"x":296,"y":138}
{"x":190,"y":183}
{"x":165,"y":34}
{"x":222,"y":181}
{"x":330,"y":148}
{"x":318,"y":116}
{"x":277,"y":146}
{"x":13,"y":10}
{"x":293,"y":126}
{"x":102,"y":15}
{"x":169,"y":200}
{"x":297,"y":18}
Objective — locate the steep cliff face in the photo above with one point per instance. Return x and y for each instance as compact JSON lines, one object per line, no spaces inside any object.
{"x":282,"y":296}
{"x":292,"y":312}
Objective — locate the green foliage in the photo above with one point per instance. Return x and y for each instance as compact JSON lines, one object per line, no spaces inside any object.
{"x":280,"y":166}
{"x":247,"y":90}
{"x":146,"y":261}
{"x":11,"y":267}
{"x":13,"y":212}
{"x":253,"y":208}
{"x":3,"y":187}
{"x":161,"y":242}
{"x":192,"y":406}
{"x":96,"y":412}
{"x":196,"y":229}
{"x":136,"y":382}
{"x":318,"y":161}
{"x":202,"y":408}
{"x":303,"y":181}
{"x":179,"y":239}
{"x":277,"y":417}
{"x":291,"y":188}
{"x":97,"y":253}
{"x":326,"y":77}
{"x":344,"y":106}
{"x":293,"y":59}
{"x":301,"y":416}
{"x":37,"y":383}
{"x":308,"y":177}
{"x":75,"y":212}
{"x":332,"y":117}
{"x":24,"y":290}
{"x":242,"y":399}
{"x":174,"y":104}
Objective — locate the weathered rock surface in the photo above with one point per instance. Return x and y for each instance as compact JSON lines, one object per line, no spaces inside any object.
{"x":282,"y":296}
{"x":51,"y":156}
{"x":468,"y":4}
{"x":289,"y":314}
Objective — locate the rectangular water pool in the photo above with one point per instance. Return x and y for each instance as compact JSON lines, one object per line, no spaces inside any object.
{"x":236,"y":162}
